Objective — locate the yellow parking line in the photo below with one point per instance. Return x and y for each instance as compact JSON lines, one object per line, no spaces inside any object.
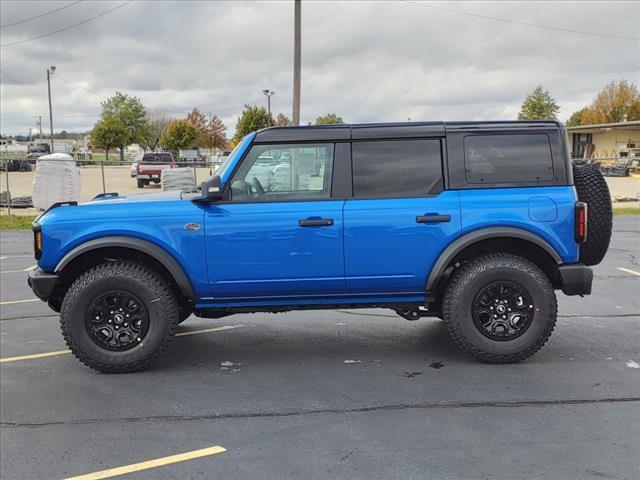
{"x":63,"y":352}
{"x":633,"y":272}
{"x":35,"y":355}
{"x":207,"y":330}
{"x":158,"y":462}
{"x":19,"y":271}
{"x":10,"y":302}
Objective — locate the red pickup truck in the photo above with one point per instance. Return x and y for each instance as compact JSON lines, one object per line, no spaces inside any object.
{"x":151,"y":165}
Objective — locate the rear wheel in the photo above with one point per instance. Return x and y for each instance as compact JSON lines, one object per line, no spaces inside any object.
{"x":119,"y":317}
{"x":500,"y":308}
{"x":140,"y":183}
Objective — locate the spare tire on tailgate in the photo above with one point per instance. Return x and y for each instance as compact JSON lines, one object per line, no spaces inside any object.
{"x":593,"y":190}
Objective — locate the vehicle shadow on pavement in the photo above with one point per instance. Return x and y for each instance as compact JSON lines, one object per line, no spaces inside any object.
{"x":272,"y":345}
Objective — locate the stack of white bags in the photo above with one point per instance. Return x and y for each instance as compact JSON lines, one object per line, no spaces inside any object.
{"x":57,"y":179}
{"x":178,"y":179}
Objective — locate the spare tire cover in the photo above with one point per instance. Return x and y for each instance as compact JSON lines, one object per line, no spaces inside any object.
{"x":593,"y":190}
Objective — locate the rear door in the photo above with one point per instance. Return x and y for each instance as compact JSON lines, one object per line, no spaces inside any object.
{"x":400,"y":218}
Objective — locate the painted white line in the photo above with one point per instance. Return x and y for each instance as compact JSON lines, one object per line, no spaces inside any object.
{"x":158,"y":462}
{"x":11,"y":302}
{"x":207,"y":330}
{"x":5,"y":257}
{"x":64,"y":352}
{"x":632,"y":272}
{"x":2,"y":258}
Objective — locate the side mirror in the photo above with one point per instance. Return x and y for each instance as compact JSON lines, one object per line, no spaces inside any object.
{"x":211,"y":190}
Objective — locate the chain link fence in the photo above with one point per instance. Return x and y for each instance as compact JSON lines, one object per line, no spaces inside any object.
{"x":97,"y":176}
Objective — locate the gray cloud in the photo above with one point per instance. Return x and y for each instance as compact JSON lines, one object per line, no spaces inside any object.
{"x":366,"y":61}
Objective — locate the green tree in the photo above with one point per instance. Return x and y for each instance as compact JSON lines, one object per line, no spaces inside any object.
{"x":329,"y":119}
{"x":539,"y":105}
{"x":108,"y":132}
{"x":613,"y":103}
{"x":576,"y":118}
{"x":180,"y":135}
{"x":132,"y":114}
{"x":253,"y":118}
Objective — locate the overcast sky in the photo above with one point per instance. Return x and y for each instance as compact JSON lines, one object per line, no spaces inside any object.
{"x":365,"y":61}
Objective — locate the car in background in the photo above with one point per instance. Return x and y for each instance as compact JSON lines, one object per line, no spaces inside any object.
{"x":150,"y":166}
{"x":134,"y":166}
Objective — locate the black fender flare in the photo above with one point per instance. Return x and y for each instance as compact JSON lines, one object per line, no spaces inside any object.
{"x":160,"y":254}
{"x":470,"y":238}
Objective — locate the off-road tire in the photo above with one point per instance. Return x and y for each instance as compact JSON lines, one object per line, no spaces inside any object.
{"x":593,"y":190}
{"x":470,"y":278}
{"x":151,"y":288}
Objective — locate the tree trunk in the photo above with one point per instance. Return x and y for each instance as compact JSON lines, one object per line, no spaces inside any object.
{"x":122,"y":154}
{"x":107,"y":154}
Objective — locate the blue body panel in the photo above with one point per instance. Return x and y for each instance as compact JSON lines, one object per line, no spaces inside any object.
{"x":259,"y":250}
{"x":387,"y":251}
{"x":545,"y":211}
{"x":156,"y":218}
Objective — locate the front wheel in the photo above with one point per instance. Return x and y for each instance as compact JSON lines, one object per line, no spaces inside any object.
{"x":119,"y":317}
{"x":500,"y":308}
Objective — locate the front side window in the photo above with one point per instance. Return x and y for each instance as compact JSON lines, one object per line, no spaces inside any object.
{"x":396,"y":168}
{"x":508,"y":158}
{"x":284,"y":172}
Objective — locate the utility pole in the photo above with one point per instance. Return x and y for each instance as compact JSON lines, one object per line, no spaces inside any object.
{"x":40,"y":125}
{"x":50,"y":71}
{"x":269,"y":94}
{"x":296,"y":62}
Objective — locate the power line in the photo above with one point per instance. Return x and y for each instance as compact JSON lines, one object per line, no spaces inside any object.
{"x":80,"y":87}
{"x":40,"y":16}
{"x":9,"y":76}
{"x":516,"y":22}
{"x":69,"y":27}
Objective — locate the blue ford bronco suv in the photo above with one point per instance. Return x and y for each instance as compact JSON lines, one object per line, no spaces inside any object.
{"x":477,"y":223}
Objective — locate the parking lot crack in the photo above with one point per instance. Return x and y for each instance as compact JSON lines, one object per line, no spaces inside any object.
{"x":328,"y":411}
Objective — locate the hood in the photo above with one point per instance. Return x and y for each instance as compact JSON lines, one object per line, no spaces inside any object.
{"x":144,"y":197}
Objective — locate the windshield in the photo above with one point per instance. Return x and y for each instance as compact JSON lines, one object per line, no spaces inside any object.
{"x":225,"y":169}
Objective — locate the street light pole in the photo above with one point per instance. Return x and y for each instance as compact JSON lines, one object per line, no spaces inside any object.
{"x":50,"y":71}
{"x":268,"y":93}
{"x":296,"y":62}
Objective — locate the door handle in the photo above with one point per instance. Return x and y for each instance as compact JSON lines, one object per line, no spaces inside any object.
{"x":433,"y":218}
{"x":316,"y":222}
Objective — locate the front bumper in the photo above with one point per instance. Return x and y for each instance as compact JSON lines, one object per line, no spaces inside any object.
{"x":576,"y":279}
{"x":42,"y":283}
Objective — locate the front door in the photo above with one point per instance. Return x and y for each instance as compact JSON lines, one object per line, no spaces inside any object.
{"x":399,"y":219}
{"x":281,"y":234}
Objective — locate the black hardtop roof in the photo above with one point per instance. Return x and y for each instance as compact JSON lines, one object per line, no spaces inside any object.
{"x":361,"y":131}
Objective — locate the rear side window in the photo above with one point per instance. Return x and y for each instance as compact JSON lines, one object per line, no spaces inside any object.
{"x":396,"y":168}
{"x":508,"y":158}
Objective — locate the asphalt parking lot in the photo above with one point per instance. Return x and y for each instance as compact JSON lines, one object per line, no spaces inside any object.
{"x":354,"y":394}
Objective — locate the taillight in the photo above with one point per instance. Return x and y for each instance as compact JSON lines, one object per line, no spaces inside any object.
{"x":581,"y":219}
{"x":37,"y":241}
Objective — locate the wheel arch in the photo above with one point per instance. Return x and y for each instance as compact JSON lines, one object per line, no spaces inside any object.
{"x":128,"y":247}
{"x":495,"y":239}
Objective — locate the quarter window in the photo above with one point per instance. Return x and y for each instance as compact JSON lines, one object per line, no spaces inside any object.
{"x":508,"y":158}
{"x":396,"y":168}
{"x":284,"y":172}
